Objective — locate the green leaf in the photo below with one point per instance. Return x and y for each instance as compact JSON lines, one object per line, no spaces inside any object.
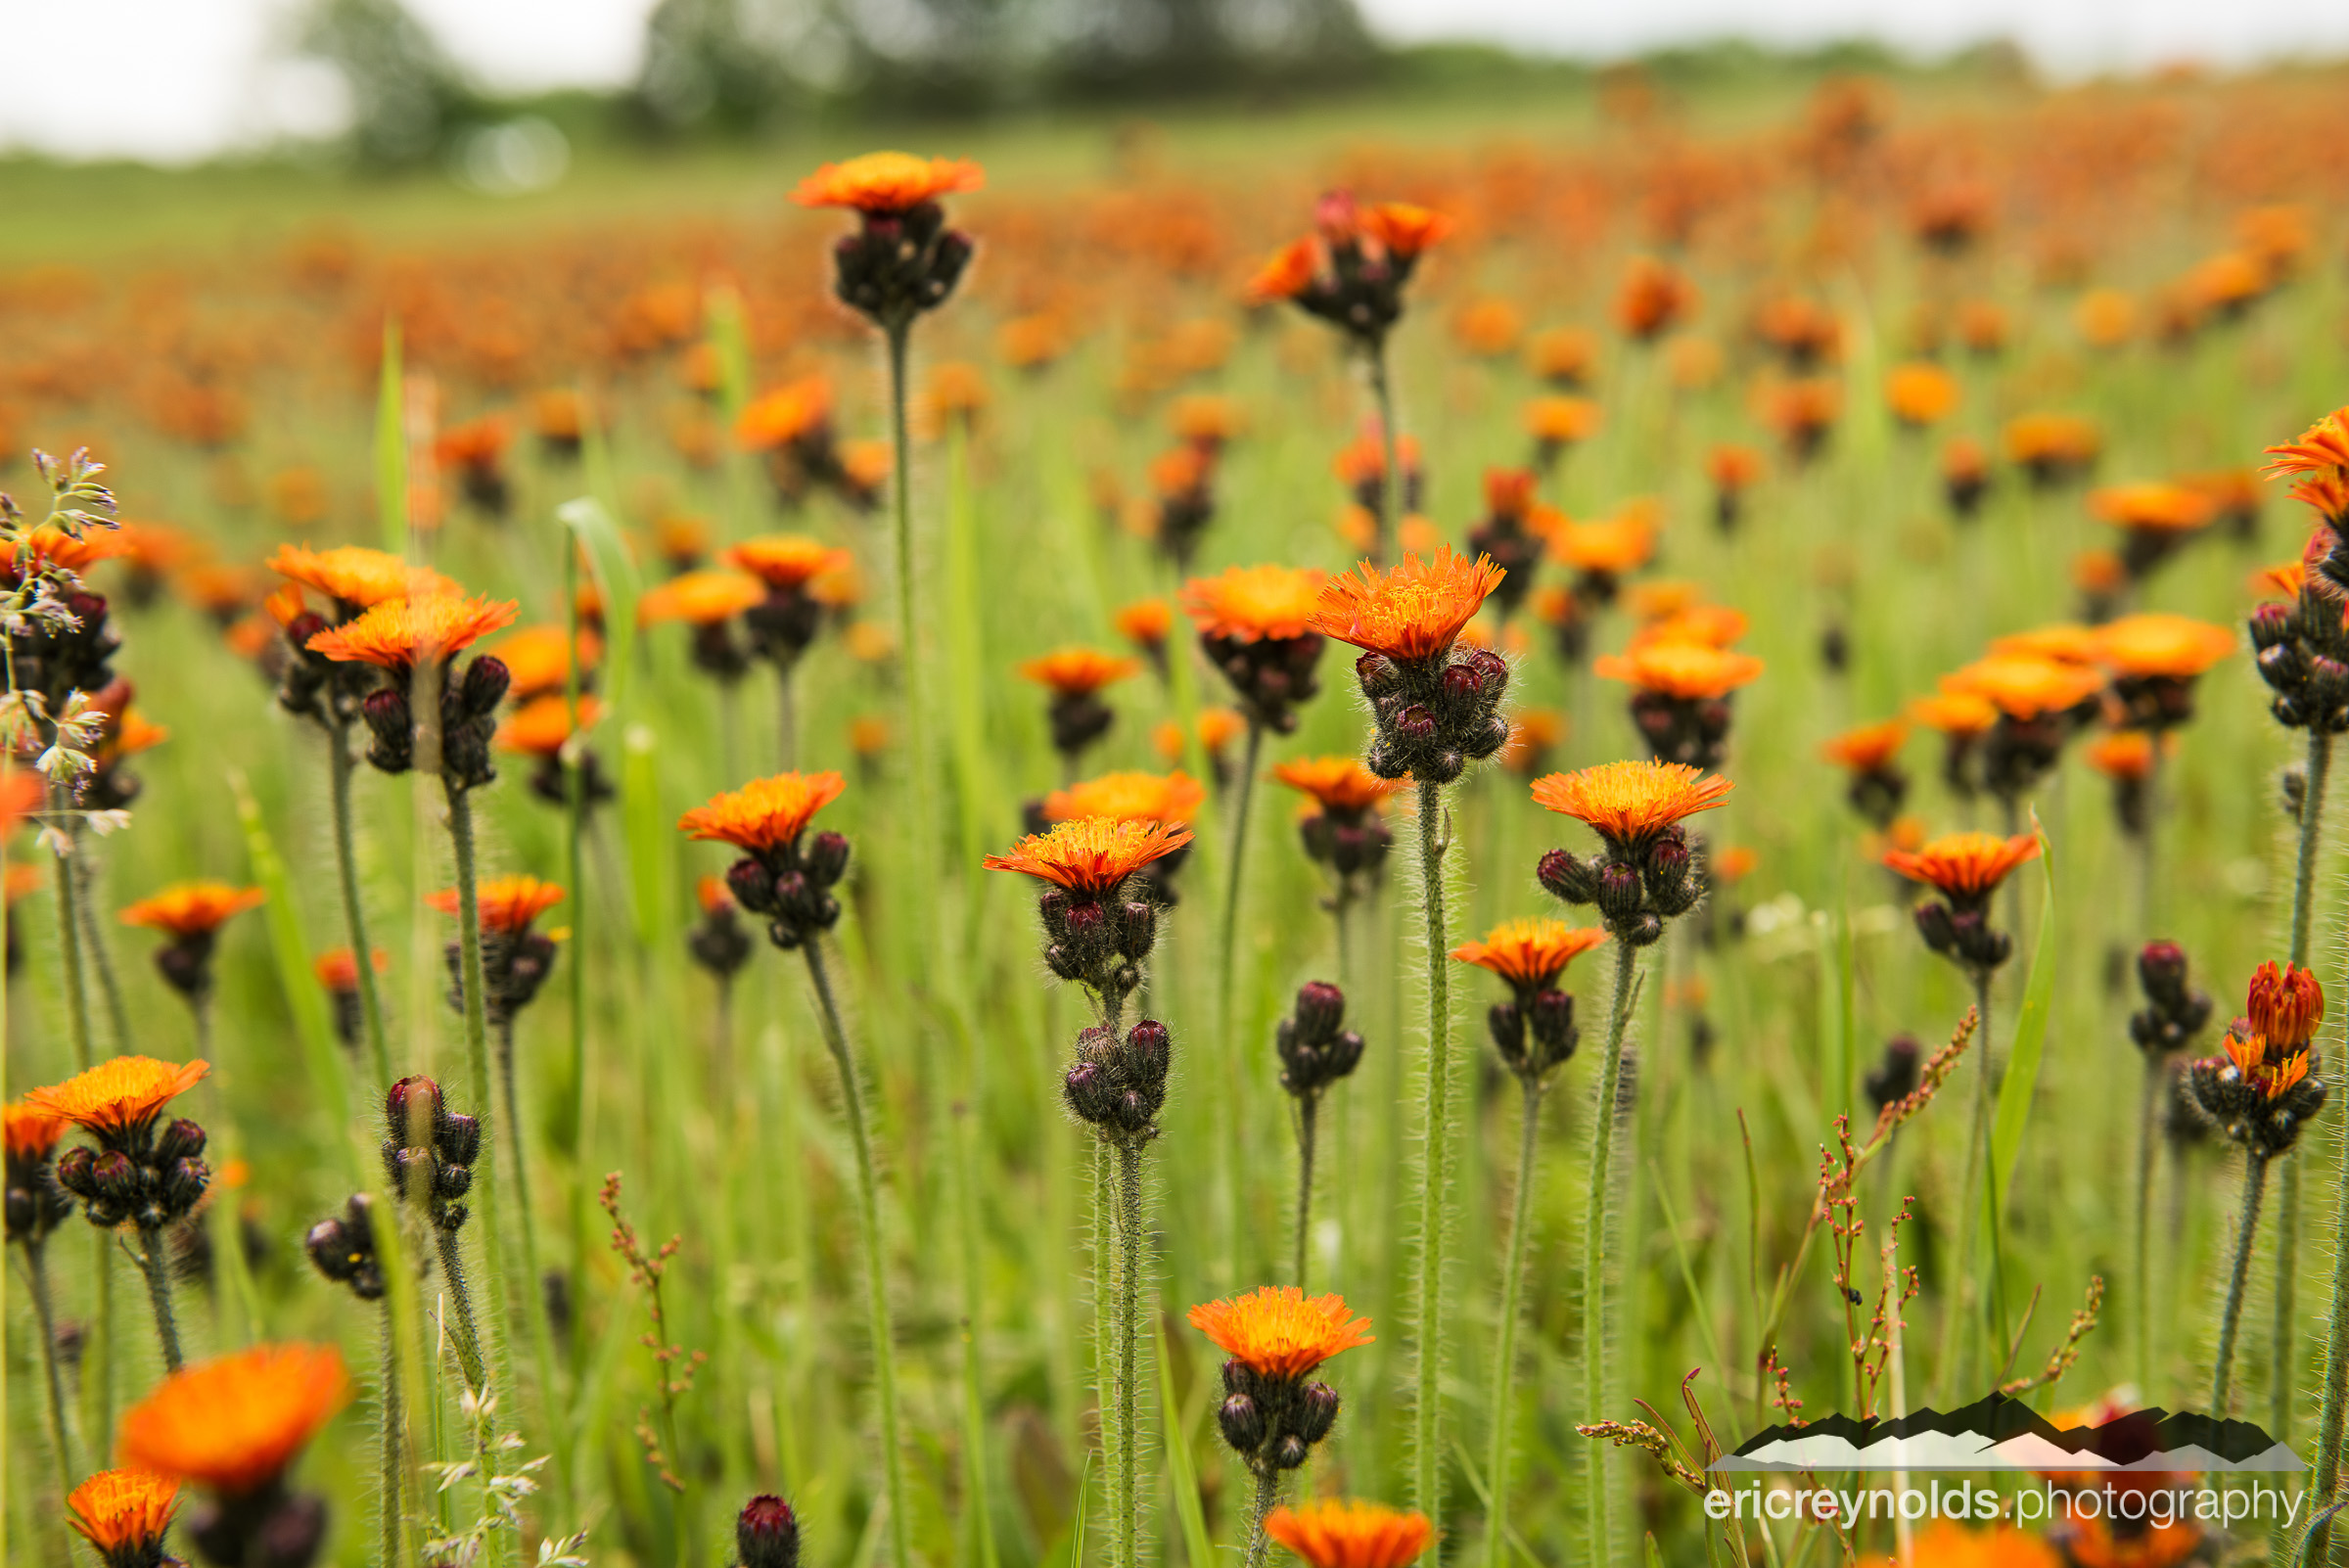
{"x":2030,"y":1036}
{"x":616,"y":579}
{"x":391,"y":445}
{"x":1182,"y":1475}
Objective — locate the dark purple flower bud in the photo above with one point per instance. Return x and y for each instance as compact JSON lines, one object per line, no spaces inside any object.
{"x":2271,"y":624}
{"x":827,"y":858}
{"x":184,"y":1182}
{"x":114,"y":1178}
{"x":1317,"y":1412}
{"x":1618,"y":892}
{"x":1289,"y":1453}
{"x":1463,"y":686}
{"x":1415,"y":725}
{"x":1377,"y":673}
{"x":767,"y":1535}
{"x":1566,"y":876}
{"x":1933,"y":924}
{"x":2161,"y":970}
{"x":751,"y":885}
{"x":180,"y":1140}
{"x":484,"y":685}
{"x":459,"y":1139}
{"x":74,"y":1172}
{"x":1137,"y":930}
{"x":1551,"y":1019}
{"x":1507,"y":1024}
{"x":1320,"y":1011}
{"x":1149,"y":1047}
{"x":1243,"y":1422}
{"x":329,"y":1247}
{"x":412,"y":1106}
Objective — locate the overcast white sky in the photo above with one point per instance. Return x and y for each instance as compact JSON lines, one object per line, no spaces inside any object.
{"x":178,"y":78}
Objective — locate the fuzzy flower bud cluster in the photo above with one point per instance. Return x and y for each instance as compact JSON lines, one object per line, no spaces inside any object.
{"x":468,"y":723}
{"x":1434,"y":716}
{"x":2173,"y":1014}
{"x":1637,"y":884}
{"x":430,"y":1152}
{"x":790,"y":886}
{"x":341,"y":1247}
{"x":1315,"y":1047}
{"x":141,"y":1175}
{"x":1119,"y":1082}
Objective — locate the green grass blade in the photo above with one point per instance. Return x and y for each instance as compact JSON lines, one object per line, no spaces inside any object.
{"x":2030,"y":1036}
{"x":1182,"y":1475}
{"x":616,"y":578}
{"x":391,"y":445}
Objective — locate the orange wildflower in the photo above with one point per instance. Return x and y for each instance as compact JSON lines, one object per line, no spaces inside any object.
{"x":1414,"y":610}
{"x":353,"y":574}
{"x":1565,"y":356}
{"x":1653,"y":297}
{"x":1279,"y":1332}
{"x":1129,"y":796}
{"x":784,"y":559}
{"x":1248,"y":604}
{"x":234,"y":1423}
{"x":701,"y":598}
{"x":1090,"y":855}
{"x":1145,"y":623}
{"x":888,"y":182}
{"x":1562,"y":421}
{"x":124,"y":1514}
{"x":1074,"y":670}
{"x":1629,"y":802}
{"x":2160,"y":645}
{"x":2154,"y":507}
{"x":1964,"y":865}
{"x":765,"y":814}
{"x":1710,"y":626}
{"x":541,"y":726}
{"x":398,"y":634}
{"x":2065,"y":642}
{"x":1530,"y":955}
{"x":2285,"y":1005}
{"x":120,"y":1096}
{"x":1331,"y":1534}
{"x":2023,"y":687}
{"x":1285,"y":273}
{"x":2268,"y":1066}
{"x":507,"y":904}
{"x":31,"y":1133}
{"x":1868,"y":749}
{"x":1339,"y":783}
{"x":2053,"y":444}
{"x":1733,"y":468}
{"x":1403,"y":230}
{"x":2323,"y":449}
{"x":1684,"y":670}
{"x":785,"y":414}
{"x":192,"y":909}
{"x":1920,"y":394}
{"x":53,"y":545}
{"x":2122,"y":754}
{"x":537,"y":659}
{"x":1610,"y":546}
{"x":338,"y":969}
{"x":1954,"y":713}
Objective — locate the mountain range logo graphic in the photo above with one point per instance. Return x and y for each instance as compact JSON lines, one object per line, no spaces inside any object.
{"x":2003,"y":1433}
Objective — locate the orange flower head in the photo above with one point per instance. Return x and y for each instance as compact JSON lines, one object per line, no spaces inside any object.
{"x":1654,"y":297}
{"x":192,"y":909}
{"x":2025,"y":689}
{"x":1687,"y":671}
{"x":701,"y":598}
{"x":1339,"y":783}
{"x":884,"y":183}
{"x":2063,"y":642}
{"x":1410,"y":611}
{"x":541,"y":726}
{"x":31,"y":1132}
{"x":353,"y":574}
{"x":1331,"y":1534}
{"x":2125,"y":755}
{"x":1285,"y":274}
{"x":785,"y":559}
{"x":764,"y":814}
{"x":338,"y":969}
{"x":1868,"y":749}
{"x":1558,"y":421}
{"x":1091,"y":854}
{"x":1629,"y":802}
{"x":477,"y":443}
{"x":1206,"y":419}
{"x":1733,"y":468}
{"x":2053,"y":441}
{"x":124,"y":1514}
{"x":399,"y":633}
{"x":1921,"y":393}
{"x":1145,"y":623}
{"x":537,"y":659}
{"x":234,"y":1423}
{"x":1279,"y":1332}
{"x":1403,"y":231}
{"x":2163,"y":646}
{"x":2285,"y":1005}
{"x":2267,"y":1066}
{"x":119,"y":1096}
{"x":1964,"y":866}
{"x":1129,"y":797}
{"x":786,"y":414}
{"x":2323,"y":449}
{"x":508,"y":905}
{"x":1530,"y":955}
{"x":1707,"y":625}
{"x":1609,"y":547}
{"x":2152,"y":508}
{"x":1074,"y":670}
{"x":1954,"y":713}
{"x":54,"y":545}
{"x":1248,"y":604}
{"x":1218,"y":727}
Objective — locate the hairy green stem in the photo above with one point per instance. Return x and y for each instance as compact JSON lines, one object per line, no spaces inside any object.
{"x":876,"y":1286}
{"x":1259,"y":1508}
{"x":1504,"y":1354}
{"x":488,"y":1202}
{"x":2142,"y":1251}
{"x":1390,"y":484}
{"x":543,"y":1337}
{"x":354,"y":911}
{"x":1129,"y":1335}
{"x":101,"y":951}
{"x":2282,"y":1333}
{"x":917,"y":738}
{"x":787,"y":719}
{"x":154,"y":1262}
{"x":1308,"y":1109}
{"x":1435,"y":1171}
{"x":467,"y":1338}
{"x":44,"y":1321}
{"x":69,"y":940}
{"x":393,"y":1455}
{"x":1105,"y":1360}
{"x":2312,"y":818}
{"x":2255,"y":1180}
{"x":1603,"y":1116}
{"x":1226,"y":995}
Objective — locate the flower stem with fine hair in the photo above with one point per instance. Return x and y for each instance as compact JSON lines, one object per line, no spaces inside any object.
{"x":876,"y":1287}
{"x":68,"y":940}
{"x":44,"y":1322}
{"x":1307,"y":1113}
{"x":2255,"y":1180}
{"x":899,"y":335}
{"x":355,"y":912}
{"x":1435,"y":1169}
{"x":477,"y":1054}
{"x":2284,"y":1330}
{"x":393,"y":1451}
{"x":154,"y":1262}
{"x":1259,"y":1508}
{"x":1504,"y":1354}
{"x":1594,"y":1227}
{"x":1227,"y":983}
{"x":1129,"y":1335}
{"x":1390,"y":488}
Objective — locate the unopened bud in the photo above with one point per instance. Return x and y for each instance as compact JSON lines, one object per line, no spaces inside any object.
{"x":827,"y":858}
{"x":1566,"y":876}
{"x":179,"y":1140}
{"x":484,"y":685}
{"x":1243,"y":1422}
{"x":1320,"y":1010}
{"x":1317,"y":1412}
{"x":766,"y":1534}
{"x":1619,"y":892}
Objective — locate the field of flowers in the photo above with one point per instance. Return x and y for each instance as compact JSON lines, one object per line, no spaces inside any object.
{"x":1057,"y":856}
